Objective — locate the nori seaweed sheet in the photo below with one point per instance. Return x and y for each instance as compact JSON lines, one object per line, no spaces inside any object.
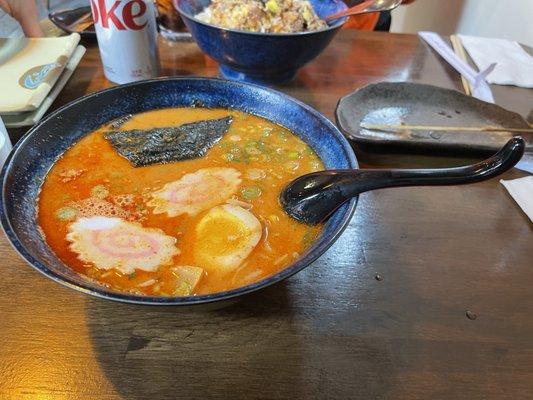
{"x":168,"y":144}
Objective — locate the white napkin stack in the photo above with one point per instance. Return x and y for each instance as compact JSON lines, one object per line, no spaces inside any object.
{"x":521,"y":190}
{"x":32,"y":73}
{"x":514,"y":66}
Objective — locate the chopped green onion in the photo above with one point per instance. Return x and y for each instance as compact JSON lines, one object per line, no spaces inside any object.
{"x":67,"y":213}
{"x":250,"y":192}
{"x":252,"y":148}
{"x":228,"y":156}
{"x":272,"y":6}
{"x":293,"y":155}
{"x":264,"y":147}
{"x":307,"y":15}
{"x":100,"y":192}
{"x":266,"y":132}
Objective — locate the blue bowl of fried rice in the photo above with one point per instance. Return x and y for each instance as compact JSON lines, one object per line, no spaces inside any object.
{"x":261,"y":41}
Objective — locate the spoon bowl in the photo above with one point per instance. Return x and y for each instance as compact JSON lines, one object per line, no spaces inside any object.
{"x":367,"y":6}
{"x":312,"y":198}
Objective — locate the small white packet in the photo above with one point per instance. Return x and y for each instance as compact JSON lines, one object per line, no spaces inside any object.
{"x":521,"y":190}
{"x":526,"y":163}
{"x":5,"y":143}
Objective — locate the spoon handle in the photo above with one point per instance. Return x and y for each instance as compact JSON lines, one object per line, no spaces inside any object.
{"x":367,"y":179}
{"x":313,"y":197}
{"x":350,"y":11}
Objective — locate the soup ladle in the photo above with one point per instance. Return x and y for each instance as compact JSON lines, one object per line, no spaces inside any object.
{"x":367,"y":6}
{"x":312,"y":198}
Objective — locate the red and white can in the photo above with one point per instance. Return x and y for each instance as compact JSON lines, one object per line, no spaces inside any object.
{"x":127,"y":38}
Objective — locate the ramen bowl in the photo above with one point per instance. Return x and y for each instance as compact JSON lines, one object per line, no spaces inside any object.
{"x":34,"y":155}
{"x":264,"y":58}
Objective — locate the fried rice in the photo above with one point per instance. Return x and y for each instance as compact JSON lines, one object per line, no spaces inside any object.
{"x":269,"y":16}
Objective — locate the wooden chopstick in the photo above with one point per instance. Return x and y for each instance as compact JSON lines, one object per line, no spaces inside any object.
{"x":394,"y":128}
{"x":460,"y":51}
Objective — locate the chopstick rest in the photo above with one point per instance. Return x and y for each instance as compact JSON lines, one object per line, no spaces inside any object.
{"x":480,"y":87}
{"x":521,"y":190}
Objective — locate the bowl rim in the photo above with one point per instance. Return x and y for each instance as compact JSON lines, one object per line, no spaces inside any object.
{"x":339,"y":22}
{"x":102,"y":291}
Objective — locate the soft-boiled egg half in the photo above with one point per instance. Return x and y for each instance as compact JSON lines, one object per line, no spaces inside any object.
{"x":225,"y":236}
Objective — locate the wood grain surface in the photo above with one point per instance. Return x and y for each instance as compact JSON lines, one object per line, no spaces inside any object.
{"x":336,"y":330}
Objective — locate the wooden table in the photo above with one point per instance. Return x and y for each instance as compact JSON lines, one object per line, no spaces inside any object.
{"x":333,"y":331}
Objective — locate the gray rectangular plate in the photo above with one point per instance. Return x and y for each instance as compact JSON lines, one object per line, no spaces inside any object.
{"x":400,"y":103}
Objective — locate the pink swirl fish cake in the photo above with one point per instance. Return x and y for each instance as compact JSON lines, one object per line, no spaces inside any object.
{"x":114,"y":243}
{"x":196,"y":192}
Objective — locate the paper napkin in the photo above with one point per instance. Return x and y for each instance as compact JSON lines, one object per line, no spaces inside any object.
{"x":514,"y":66}
{"x":521,"y":190}
{"x":29,"y":68}
{"x":30,"y":118}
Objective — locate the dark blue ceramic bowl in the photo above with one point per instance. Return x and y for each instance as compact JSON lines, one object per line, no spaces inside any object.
{"x":36,"y":152}
{"x":263,"y":58}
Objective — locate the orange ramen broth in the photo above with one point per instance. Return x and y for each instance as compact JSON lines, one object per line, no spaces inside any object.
{"x":92,"y":161}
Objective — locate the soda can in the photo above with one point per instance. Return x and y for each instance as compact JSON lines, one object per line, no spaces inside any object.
{"x":127,"y":38}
